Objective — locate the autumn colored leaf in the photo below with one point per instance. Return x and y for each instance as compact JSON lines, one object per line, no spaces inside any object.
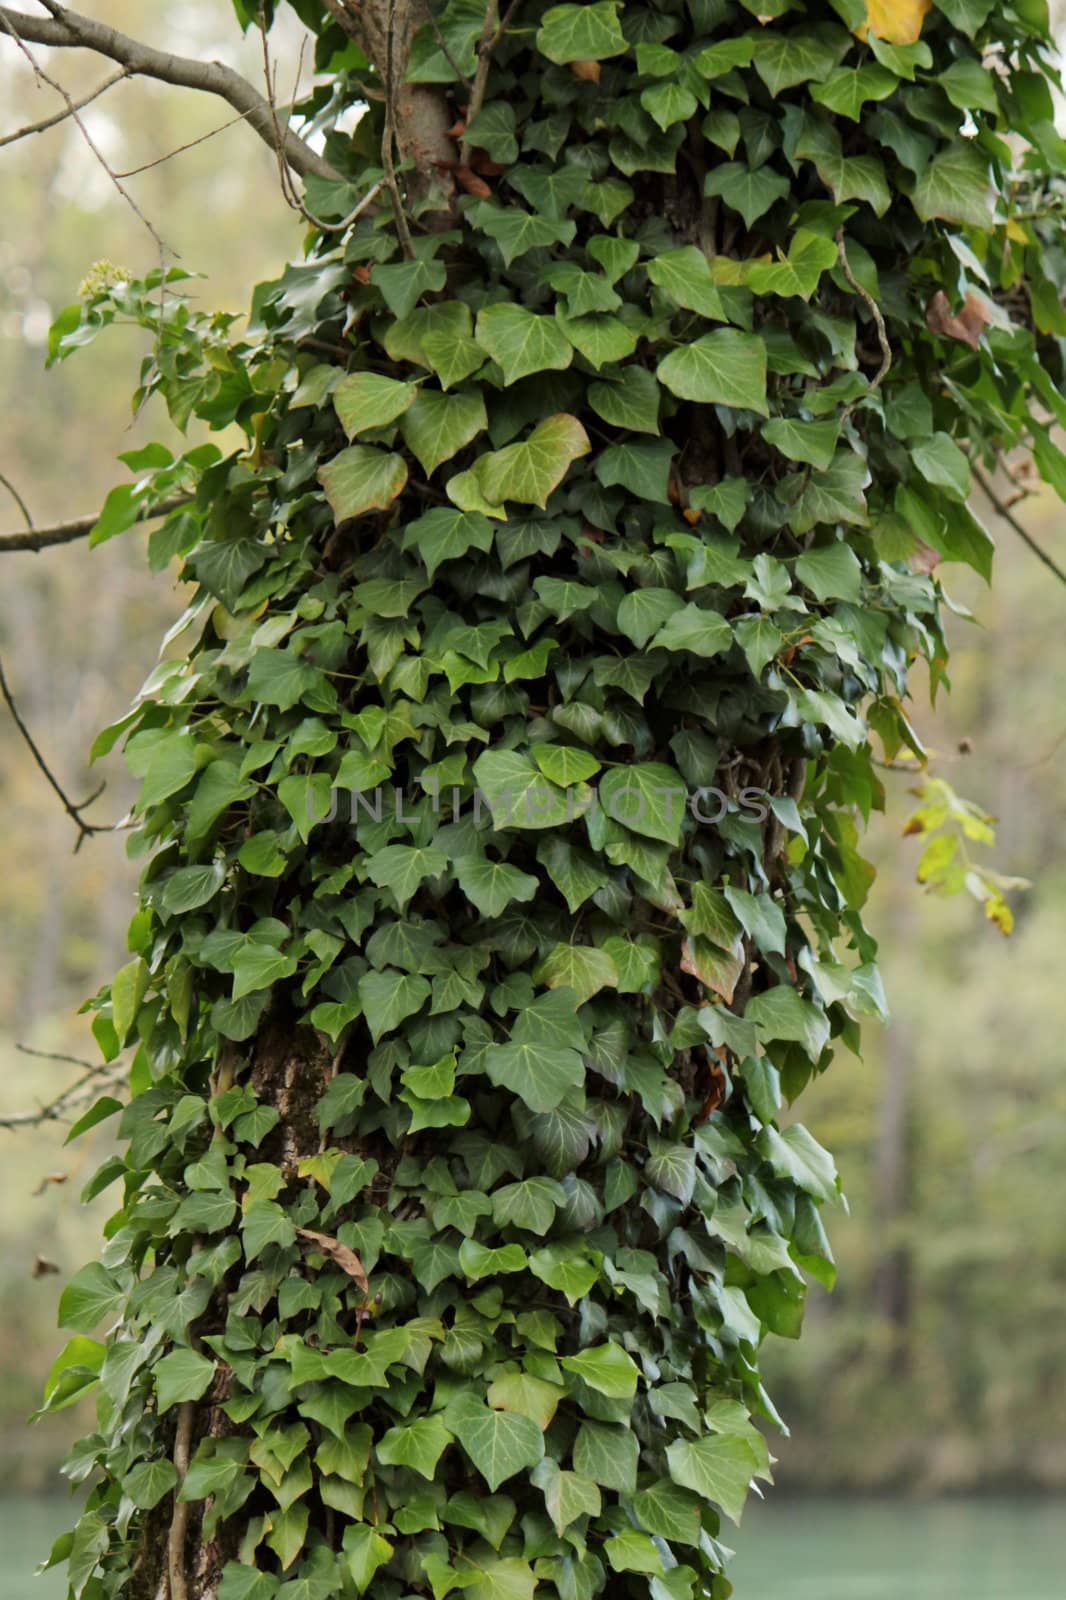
{"x":964,"y":325}
{"x":340,"y":1254}
{"x":895,"y":21}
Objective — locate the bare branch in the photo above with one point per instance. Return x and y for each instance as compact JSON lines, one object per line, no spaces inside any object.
{"x":1003,"y":510}
{"x":181,"y":149}
{"x":73,"y":811}
{"x":65,"y":29}
{"x":61,"y":116}
{"x":55,"y":1055}
{"x":879,"y":322}
{"x":77,"y":528}
{"x":9,"y":21}
{"x":76,"y":1095}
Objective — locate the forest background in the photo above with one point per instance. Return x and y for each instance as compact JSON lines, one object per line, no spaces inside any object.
{"x":945,"y":1333}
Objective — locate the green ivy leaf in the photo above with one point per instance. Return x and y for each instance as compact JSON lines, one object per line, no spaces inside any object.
{"x":418,"y":1445}
{"x":780,"y":1013}
{"x":608,"y":1455}
{"x":182,"y":1375}
{"x":848,"y":89}
{"x":648,"y":799}
{"x":530,"y":471}
{"x":403,"y":284}
{"x":149,"y":1482}
{"x":581,"y":33}
{"x":443,"y":535}
{"x":784,"y":60}
{"x":718,"y":1468}
{"x":956,"y":187}
{"x":831,"y":572}
{"x":362,"y":479}
{"x":540,"y":1074}
{"x":564,"y":764}
{"x":531,"y":1204}
{"x":704,"y":633}
{"x":721,"y":368}
{"x":685,"y":275}
{"x":667,"y":103}
{"x":367,"y":400}
{"x":794,"y":1154}
{"x":522,"y":342}
{"x":630,"y":400}
{"x":941,"y":462}
{"x":812,"y":442}
{"x":582,"y":968}
{"x":404,"y":868}
{"x":499,"y":1443}
{"x":389,"y":997}
{"x":797,"y":273}
{"x":749,"y":190}
{"x":492,"y":885}
{"x":606,"y":1368}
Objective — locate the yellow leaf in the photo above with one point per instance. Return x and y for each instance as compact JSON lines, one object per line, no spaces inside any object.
{"x":895,"y":21}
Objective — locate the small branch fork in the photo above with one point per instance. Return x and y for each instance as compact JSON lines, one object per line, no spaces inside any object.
{"x":875,"y":311}
{"x":12,"y":23}
{"x":73,"y":810}
{"x":37,"y":539}
{"x":76,"y":1095}
{"x":491,"y":34}
{"x":68,"y":111}
{"x":1002,"y":509}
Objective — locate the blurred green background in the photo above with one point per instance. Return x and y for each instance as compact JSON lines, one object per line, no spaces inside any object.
{"x":937,"y":1367}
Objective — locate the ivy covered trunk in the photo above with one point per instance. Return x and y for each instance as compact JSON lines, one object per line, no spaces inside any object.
{"x":502,"y":785}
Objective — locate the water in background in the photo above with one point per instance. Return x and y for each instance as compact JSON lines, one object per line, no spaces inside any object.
{"x":789,"y":1550}
{"x":895,"y":1550}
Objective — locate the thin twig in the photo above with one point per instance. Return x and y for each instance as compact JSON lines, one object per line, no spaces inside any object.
{"x":879,"y":323}
{"x":287,"y":190}
{"x":55,"y":1055}
{"x":1004,"y":511}
{"x":65,"y":29}
{"x":180,"y":1515}
{"x":13,"y":492}
{"x":389,"y":140}
{"x":344,"y":18}
{"x":7,"y":18}
{"x":489,"y":32}
{"x":79,"y":527}
{"x":181,"y":149}
{"x":73,"y":811}
{"x":445,"y":50}
{"x":72,"y":1099}
{"x":61,"y":116}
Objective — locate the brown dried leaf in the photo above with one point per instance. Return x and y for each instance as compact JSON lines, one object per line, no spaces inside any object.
{"x":923,"y":559}
{"x":965,"y":326}
{"x":587,"y":71}
{"x":340,"y":1254}
{"x":469,"y":180}
{"x":486,"y":166}
{"x":50,"y":1177}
